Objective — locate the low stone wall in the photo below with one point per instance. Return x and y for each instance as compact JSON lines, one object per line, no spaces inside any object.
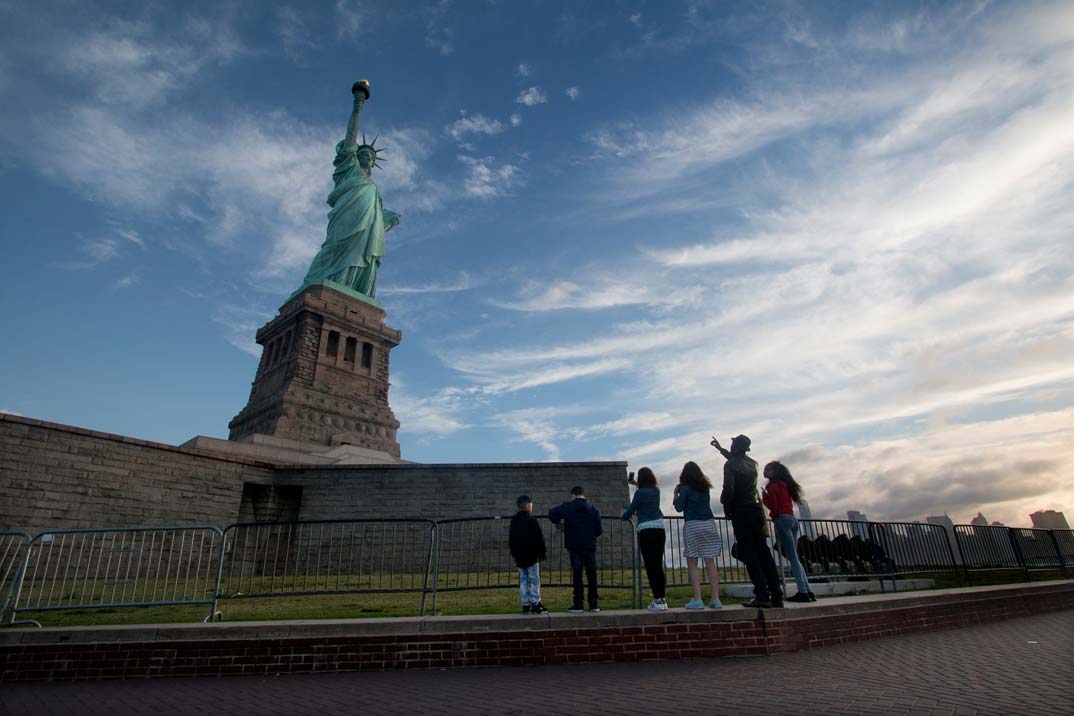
{"x":449,"y":642}
{"x":57,"y":476}
{"x":456,"y":490}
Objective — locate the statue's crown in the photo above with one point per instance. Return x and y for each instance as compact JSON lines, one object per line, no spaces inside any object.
{"x":371,"y":146}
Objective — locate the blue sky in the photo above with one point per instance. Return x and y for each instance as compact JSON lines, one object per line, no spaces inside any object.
{"x":844,"y":230}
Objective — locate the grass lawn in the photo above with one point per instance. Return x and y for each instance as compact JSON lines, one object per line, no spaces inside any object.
{"x":401,"y":604}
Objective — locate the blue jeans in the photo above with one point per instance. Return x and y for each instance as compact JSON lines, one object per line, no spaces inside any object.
{"x":787,"y":533}
{"x":529,"y":584}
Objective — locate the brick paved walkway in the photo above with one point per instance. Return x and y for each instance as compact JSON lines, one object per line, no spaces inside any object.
{"x":1020,"y":666}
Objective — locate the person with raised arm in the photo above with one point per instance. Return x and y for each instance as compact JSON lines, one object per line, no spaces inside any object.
{"x":742,"y":504}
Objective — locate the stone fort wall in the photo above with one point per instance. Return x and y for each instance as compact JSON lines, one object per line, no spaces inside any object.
{"x":57,"y":476}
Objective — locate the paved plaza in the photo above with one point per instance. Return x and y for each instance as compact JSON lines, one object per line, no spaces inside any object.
{"x":1019,"y":666}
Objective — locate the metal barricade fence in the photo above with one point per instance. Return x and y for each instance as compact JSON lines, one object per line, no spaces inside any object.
{"x":834,"y":549}
{"x":291,"y":559}
{"x":138,"y":566}
{"x":985,"y":548}
{"x":14,"y":548}
{"x":472,"y":553}
{"x":1064,"y":547}
{"x":901,"y":549}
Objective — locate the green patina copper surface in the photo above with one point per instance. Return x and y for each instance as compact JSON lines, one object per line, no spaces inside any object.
{"x":357,"y":221}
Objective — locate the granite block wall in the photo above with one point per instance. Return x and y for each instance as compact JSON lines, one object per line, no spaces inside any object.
{"x":57,"y":476}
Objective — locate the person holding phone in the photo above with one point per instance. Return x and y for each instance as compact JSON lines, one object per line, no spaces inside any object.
{"x":651,"y":535}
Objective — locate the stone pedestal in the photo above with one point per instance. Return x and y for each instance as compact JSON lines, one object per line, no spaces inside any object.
{"x":323,"y":376}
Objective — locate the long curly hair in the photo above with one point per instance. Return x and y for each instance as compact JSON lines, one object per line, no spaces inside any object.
{"x":778,"y":472}
{"x":693,"y":478}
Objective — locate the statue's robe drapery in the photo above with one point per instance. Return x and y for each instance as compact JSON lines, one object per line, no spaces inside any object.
{"x":357,"y":221}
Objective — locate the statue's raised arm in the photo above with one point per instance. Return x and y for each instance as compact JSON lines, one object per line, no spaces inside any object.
{"x":360,"y":90}
{"x":351,"y":254}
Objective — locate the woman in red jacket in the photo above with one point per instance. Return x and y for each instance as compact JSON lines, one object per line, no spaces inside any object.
{"x":779,"y":496}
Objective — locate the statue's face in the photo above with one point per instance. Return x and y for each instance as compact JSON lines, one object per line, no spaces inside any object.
{"x":365,"y":160}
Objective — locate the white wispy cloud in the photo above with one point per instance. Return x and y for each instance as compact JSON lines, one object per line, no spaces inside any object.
{"x":132,"y":236}
{"x":463,"y":283}
{"x":572,"y":92}
{"x":487,"y":180}
{"x":516,"y":119}
{"x":523,"y":70}
{"x":473,"y":124}
{"x":438,"y":35}
{"x":436,"y":415}
{"x":296,"y":36}
{"x":531,"y":97}
{"x":127,"y":63}
{"x":125,"y":282}
{"x":350,"y":16}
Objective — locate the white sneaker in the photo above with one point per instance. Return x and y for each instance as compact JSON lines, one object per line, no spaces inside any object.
{"x":658,"y":606}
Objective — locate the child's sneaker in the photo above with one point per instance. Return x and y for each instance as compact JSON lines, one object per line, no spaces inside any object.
{"x":715,"y":604}
{"x":695,"y":604}
{"x":538,"y":608}
{"x":525,"y":608}
{"x":658,"y":606}
{"x":594,"y":608}
{"x":576,"y":609}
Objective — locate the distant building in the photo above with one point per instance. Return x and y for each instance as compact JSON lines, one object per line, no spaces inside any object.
{"x":997,"y":523}
{"x":949,"y":527}
{"x":1049,"y":520}
{"x":859,"y":530}
{"x":980,"y":520}
{"x":808,"y":529}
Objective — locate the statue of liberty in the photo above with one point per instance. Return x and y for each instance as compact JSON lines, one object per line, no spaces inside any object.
{"x":351,"y":253}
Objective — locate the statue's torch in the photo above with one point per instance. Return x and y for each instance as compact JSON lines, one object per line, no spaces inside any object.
{"x":361,"y":86}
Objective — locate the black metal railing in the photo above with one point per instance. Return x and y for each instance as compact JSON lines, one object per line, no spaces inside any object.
{"x":290,"y":559}
{"x":202,"y":565}
{"x":987,"y":548}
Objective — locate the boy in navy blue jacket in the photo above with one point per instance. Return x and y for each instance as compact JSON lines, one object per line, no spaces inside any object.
{"x":581,"y":524}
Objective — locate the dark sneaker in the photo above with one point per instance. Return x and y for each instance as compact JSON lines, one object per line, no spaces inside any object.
{"x":758,"y":604}
{"x":777,"y":603}
{"x":538,"y":608}
{"x":594,"y":608}
{"x":525,"y":608}
{"x":576,"y":609}
{"x":812,"y":596}
{"x":800,"y":598}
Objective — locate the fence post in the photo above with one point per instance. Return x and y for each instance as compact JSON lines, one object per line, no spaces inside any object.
{"x":11,"y":599}
{"x":965,"y":562}
{"x":428,"y":569}
{"x":1059,"y":554}
{"x":1012,"y":536}
{"x":213,"y":611}
{"x":951,"y":554}
{"x":436,"y":564}
{"x":636,"y":571}
{"x":779,"y":554}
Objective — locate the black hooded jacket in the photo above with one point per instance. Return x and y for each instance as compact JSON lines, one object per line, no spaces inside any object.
{"x":581,"y":524}
{"x":526,"y":540}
